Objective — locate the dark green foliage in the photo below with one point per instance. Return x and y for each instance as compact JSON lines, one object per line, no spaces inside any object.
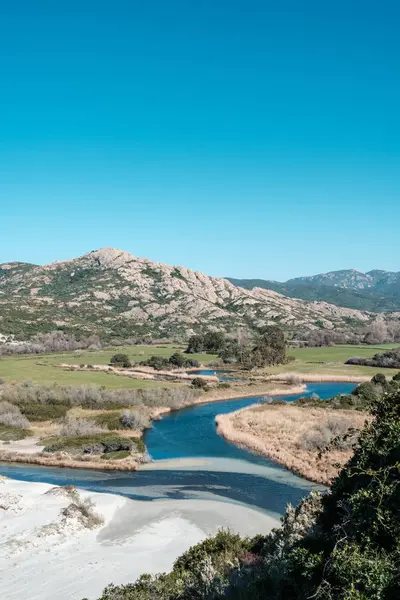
{"x":270,"y":348}
{"x":99,"y":443}
{"x":116,"y":455}
{"x":389,"y":360}
{"x":176,"y":361}
{"x":212,"y":342}
{"x":177,"y":274}
{"x":35,"y":411}
{"x":361,"y":398}
{"x":11,"y":434}
{"x":199,"y":383}
{"x":153,"y":273}
{"x":110,"y":420}
{"x":120,"y":360}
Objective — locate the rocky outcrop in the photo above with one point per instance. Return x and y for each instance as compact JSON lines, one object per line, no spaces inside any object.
{"x":110,"y":291}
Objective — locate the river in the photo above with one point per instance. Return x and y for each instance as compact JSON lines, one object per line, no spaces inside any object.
{"x":190,"y":461}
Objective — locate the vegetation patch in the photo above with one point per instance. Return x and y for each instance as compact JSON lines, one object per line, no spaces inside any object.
{"x":100,"y":443}
{"x":116,"y":455}
{"x":11,"y":434}
{"x":34,"y":411}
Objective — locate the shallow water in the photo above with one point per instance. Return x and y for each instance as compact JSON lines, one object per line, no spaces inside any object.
{"x":190,"y":461}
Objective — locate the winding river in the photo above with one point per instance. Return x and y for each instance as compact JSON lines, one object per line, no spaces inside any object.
{"x":190,"y":461}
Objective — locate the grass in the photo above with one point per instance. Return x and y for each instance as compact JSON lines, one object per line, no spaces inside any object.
{"x":42,"y":368}
{"x":330,"y":360}
{"x":12,"y":434}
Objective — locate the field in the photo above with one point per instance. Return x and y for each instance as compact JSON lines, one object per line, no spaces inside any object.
{"x":330,"y":360}
{"x":42,"y":368}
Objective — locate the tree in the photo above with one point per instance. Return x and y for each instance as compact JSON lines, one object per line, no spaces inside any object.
{"x":177,"y":360}
{"x":377,"y":334}
{"x":120,"y":360}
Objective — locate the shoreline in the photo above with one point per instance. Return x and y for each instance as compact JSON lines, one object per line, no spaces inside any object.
{"x":295,"y":460}
{"x":48,"y":460}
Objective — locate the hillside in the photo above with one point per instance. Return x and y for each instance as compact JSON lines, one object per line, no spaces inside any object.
{"x":113,"y":293}
{"x":376,"y":291}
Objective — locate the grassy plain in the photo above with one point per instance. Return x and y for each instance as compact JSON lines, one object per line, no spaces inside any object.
{"x":42,"y":368}
{"x":330,"y":360}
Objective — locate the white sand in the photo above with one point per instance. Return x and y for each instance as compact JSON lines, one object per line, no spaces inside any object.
{"x":45,"y":556}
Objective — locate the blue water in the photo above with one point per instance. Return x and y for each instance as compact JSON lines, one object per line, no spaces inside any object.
{"x":191,"y":432}
{"x":229,"y":473}
{"x":223,"y":375}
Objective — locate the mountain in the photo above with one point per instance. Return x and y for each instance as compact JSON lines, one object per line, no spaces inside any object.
{"x":375,"y":291}
{"x":113,"y":293}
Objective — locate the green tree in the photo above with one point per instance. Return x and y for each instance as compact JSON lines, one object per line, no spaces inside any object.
{"x":120,"y":360}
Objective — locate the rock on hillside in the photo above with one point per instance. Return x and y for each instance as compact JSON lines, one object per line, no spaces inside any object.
{"x":112,"y":292}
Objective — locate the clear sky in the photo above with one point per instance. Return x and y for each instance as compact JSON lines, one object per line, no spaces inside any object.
{"x":241,"y":138}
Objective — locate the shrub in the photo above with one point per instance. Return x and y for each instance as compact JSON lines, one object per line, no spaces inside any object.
{"x":116,"y":455}
{"x":133,"y":419}
{"x":177,"y":360}
{"x":99,"y":443}
{"x":43,"y":412}
{"x":73,"y":427}
{"x":326,"y":431}
{"x":11,"y":415}
{"x":108,"y":420}
{"x":199,"y":383}
{"x":120,"y":360}
{"x":84,"y":510}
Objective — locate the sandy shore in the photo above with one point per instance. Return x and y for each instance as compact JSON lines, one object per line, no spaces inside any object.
{"x":46,"y":554}
{"x":290,"y":435}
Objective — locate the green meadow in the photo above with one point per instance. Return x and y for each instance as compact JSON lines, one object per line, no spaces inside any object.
{"x":43,"y":368}
{"x":330,"y":360}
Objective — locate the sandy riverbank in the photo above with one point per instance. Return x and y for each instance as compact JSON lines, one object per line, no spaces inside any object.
{"x":292,"y":436}
{"x":49,"y":551}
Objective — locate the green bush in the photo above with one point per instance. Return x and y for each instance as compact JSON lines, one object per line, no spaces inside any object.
{"x":120,"y":360}
{"x":110,"y":420}
{"x":199,"y":383}
{"x":100,"y":443}
{"x":115,"y":455}
{"x":43,"y":412}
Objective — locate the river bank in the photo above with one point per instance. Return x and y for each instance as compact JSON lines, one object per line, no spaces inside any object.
{"x":29,"y":451}
{"x":293,"y":436}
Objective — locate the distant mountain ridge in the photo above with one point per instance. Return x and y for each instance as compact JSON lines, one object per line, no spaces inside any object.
{"x":376,"y":290}
{"x":115,"y":294}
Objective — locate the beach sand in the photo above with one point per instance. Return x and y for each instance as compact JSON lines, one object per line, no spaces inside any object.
{"x":44,"y":555}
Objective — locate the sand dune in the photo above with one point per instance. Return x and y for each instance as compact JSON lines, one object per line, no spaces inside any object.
{"x":47,"y":551}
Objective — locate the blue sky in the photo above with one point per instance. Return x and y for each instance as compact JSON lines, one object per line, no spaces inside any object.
{"x":249,"y":139}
